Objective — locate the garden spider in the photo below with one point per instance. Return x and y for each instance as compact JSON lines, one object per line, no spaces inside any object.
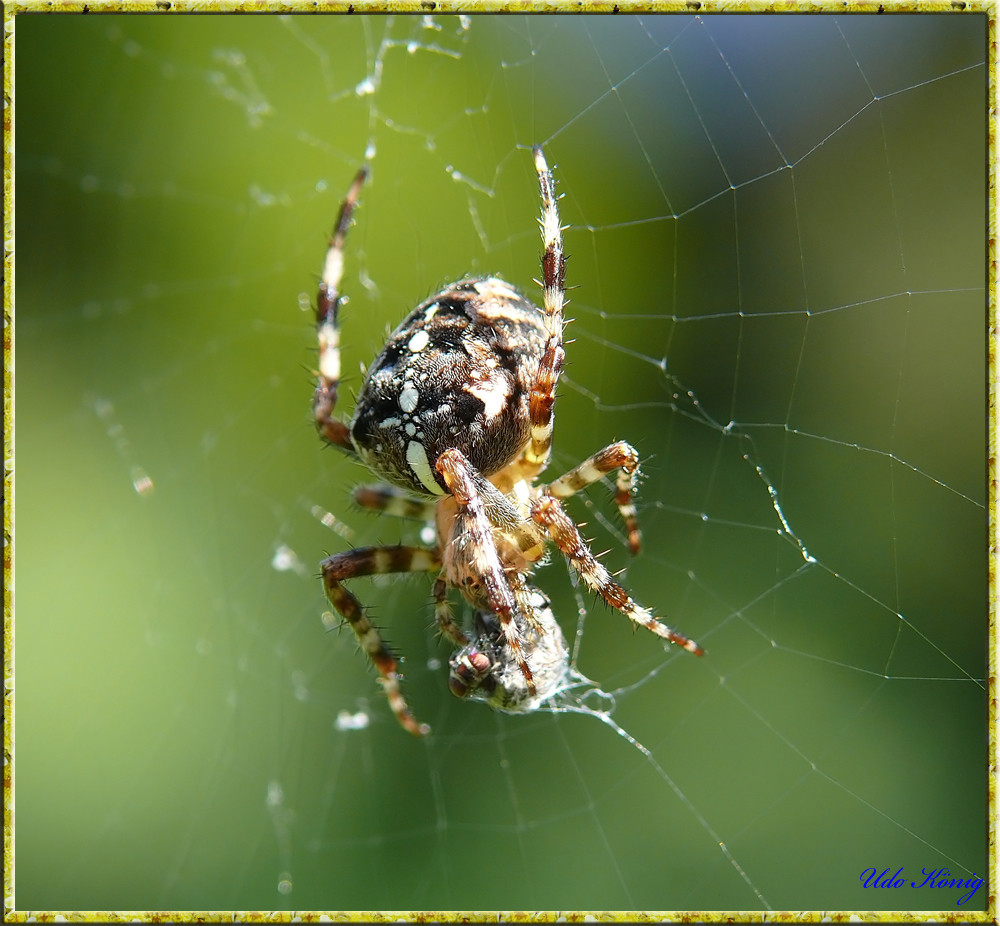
{"x":456,"y":414}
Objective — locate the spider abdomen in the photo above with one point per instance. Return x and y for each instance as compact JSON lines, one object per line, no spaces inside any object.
{"x":456,"y":374}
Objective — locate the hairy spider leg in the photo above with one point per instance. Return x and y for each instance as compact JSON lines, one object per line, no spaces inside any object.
{"x":442,"y":614}
{"x":370,"y":561}
{"x":474,"y":532}
{"x":328,"y":301}
{"x":400,"y":504}
{"x":618,"y":456}
{"x":543,"y":390}
{"x":549,"y":513}
{"x":394,"y":501}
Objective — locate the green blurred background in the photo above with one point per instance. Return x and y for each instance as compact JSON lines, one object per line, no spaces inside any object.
{"x":777,"y":230}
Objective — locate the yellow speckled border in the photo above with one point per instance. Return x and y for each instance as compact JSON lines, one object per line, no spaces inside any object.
{"x":11,"y":9}
{"x":8,"y":461}
{"x":10,"y":12}
{"x":502,"y":6}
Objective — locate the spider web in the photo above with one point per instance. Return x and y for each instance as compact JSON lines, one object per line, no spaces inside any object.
{"x":776,"y":230}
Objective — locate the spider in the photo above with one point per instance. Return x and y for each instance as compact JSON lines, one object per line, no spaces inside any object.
{"x":455,"y":416}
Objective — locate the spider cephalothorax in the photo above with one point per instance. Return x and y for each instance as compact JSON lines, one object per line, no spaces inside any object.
{"x":456,"y":415}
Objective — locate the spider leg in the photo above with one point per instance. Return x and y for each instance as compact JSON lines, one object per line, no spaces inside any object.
{"x":396,"y":502}
{"x":549,"y":513}
{"x":483,"y":580}
{"x":370,"y":561}
{"x":618,"y":456}
{"x":401,"y":504}
{"x":442,"y":614}
{"x":542,"y":396}
{"x":328,"y":302}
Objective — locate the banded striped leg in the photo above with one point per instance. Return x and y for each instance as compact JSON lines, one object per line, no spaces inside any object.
{"x":543,"y":390}
{"x":442,"y":614}
{"x":401,"y":504}
{"x":474,"y":552}
{"x":371,"y":561}
{"x":618,"y":456}
{"x":328,"y":302}
{"x":549,"y":513}
{"x":395,"y":502}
